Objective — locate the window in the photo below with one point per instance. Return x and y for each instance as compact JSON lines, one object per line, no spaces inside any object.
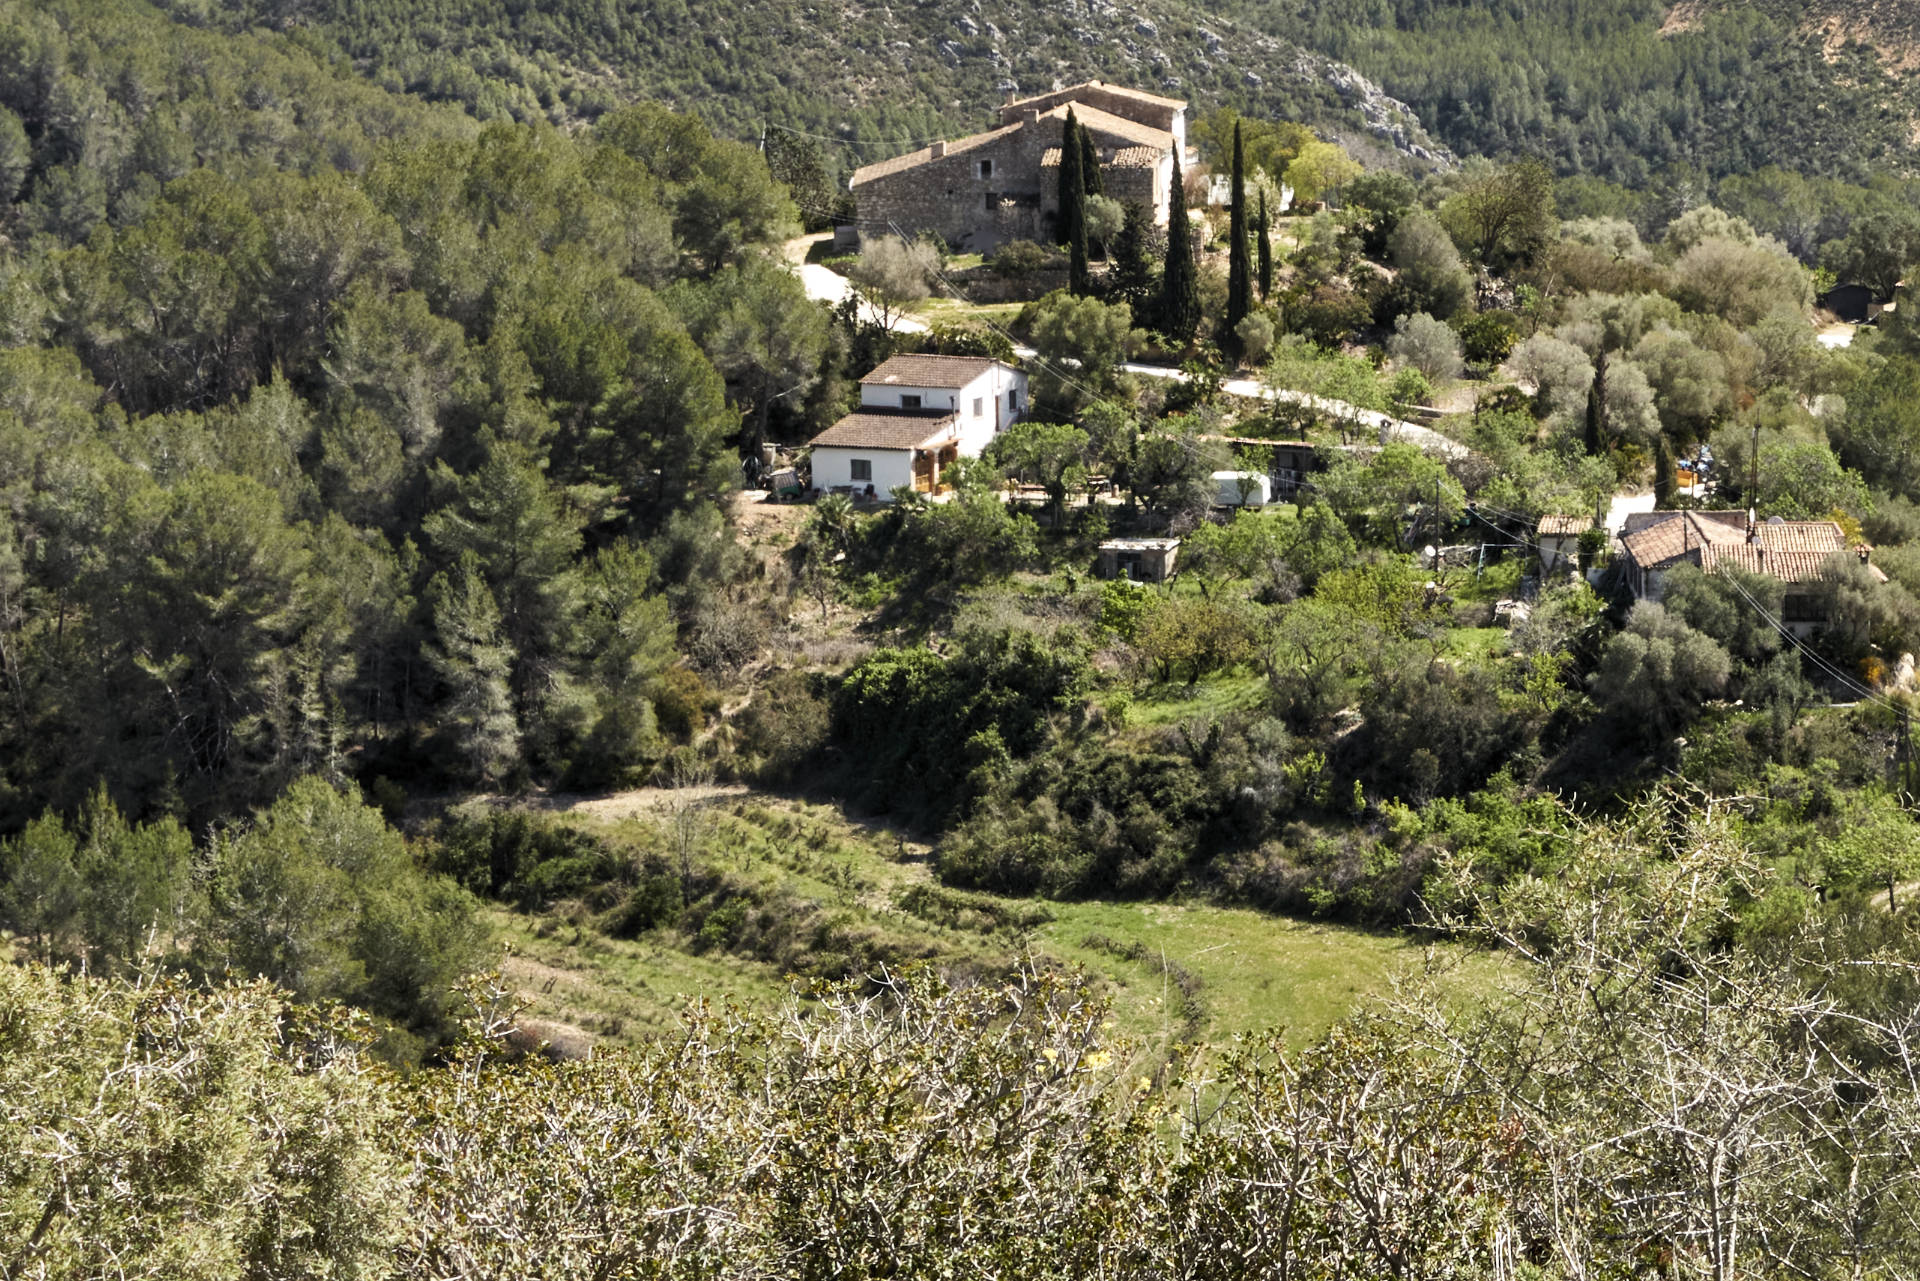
{"x":992,"y":201}
{"x":1013,"y":401}
{"x":986,"y":168}
{"x":979,"y":407}
{"x":909,"y":402}
{"x":1802,"y":609}
{"x":861,"y":469}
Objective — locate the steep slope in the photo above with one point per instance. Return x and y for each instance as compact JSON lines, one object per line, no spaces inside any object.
{"x":1626,"y":89}
{"x":868,"y":78}
{"x":1889,"y":28}
{"x":1622,"y":89}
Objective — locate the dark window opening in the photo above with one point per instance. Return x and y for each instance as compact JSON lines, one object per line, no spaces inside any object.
{"x":909,"y":402}
{"x":1802,"y":609}
{"x":986,"y":168}
{"x":861,"y":469}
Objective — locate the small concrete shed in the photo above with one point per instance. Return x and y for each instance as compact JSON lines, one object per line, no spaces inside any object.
{"x":1143,"y":560}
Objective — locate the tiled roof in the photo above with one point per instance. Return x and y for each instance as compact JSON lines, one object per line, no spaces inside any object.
{"x":1101,"y":122}
{"x":1123,"y":158}
{"x":881,"y":168}
{"x":1787,"y":566}
{"x":1137,"y":157}
{"x":1106,"y":122}
{"x":1790,"y":550}
{"x":929,"y":371}
{"x":887,"y":429}
{"x":1151,"y":99}
{"x":1551,"y":526}
{"x":1637,"y":521}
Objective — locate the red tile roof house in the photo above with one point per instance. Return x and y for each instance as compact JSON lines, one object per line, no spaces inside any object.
{"x":984,"y":190}
{"x":916,"y":415}
{"x":1796,"y":552}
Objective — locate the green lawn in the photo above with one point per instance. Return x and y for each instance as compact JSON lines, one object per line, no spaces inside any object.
{"x":1171,"y":702}
{"x":1254,"y":971}
{"x":1476,"y":644}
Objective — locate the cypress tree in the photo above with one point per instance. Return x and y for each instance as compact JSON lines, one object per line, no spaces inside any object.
{"x":1179,"y":288}
{"x":1072,"y":182}
{"x":1091,"y":182}
{"x":1265,"y":246}
{"x":1131,"y":273}
{"x":1597,"y":408}
{"x":1072,"y":175}
{"x":1666,"y":477}
{"x":1239,"y":270}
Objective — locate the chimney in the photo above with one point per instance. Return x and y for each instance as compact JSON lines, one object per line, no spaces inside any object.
{"x":1031,"y":116}
{"x":937,"y":150}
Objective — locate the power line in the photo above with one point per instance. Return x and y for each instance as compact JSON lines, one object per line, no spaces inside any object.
{"x":909,"y":145}
{"x":996,"y":327}
{"x":1846,"y":681}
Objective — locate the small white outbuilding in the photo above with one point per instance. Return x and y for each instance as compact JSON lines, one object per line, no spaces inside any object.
{"x":1242,"y":489}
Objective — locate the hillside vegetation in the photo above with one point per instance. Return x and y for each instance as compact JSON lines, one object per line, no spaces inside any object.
{"x":1624,"y":91}
{"x":872,"y":79}
{"x":393,"y":632}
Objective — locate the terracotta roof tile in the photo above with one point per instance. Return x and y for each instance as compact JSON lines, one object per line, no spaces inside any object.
{"x":929,"y":371}
{"x":1138,"y":157}
{"x":1791,"y":550}
{"x":1105,"y":122}
{"x":1159,"y":141}
{"x":1151,"y":99}
{"x":913,"y":159}
{"x":1787,"y":566}
{"x":1551,"y":526}
{"x":887,"y":429}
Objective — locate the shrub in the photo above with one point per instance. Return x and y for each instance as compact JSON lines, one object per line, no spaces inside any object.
{"x":1423,"y":343}
{"x":1018,"y":259}
{"x":1487,"y":337}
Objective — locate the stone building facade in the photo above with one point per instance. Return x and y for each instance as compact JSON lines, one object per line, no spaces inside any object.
{"x":984,"y":190}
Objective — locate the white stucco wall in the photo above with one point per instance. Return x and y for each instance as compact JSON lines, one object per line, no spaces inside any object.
{"x":833,"y":465}
{"x":982,"y":404}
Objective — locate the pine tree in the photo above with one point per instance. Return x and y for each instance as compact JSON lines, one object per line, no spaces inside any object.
{"x":1239,"y":271}
{"x":1597,"y":408}
{"x":473,"y":662}
{"x":1072,"y":173}
{"x":1091,"y":183}
{"x":1265,"y":245}
{"x":1666,"y":477}
{"x":1179,"y":288}
{"x":1072,"y":181}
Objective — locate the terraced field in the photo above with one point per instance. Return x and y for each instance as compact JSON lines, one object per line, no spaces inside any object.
{"x":827,"y":891}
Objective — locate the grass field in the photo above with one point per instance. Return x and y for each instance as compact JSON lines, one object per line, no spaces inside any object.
{"x":1174,"y":971}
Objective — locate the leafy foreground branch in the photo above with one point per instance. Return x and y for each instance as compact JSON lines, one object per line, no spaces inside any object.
{"x":1644,"y":1100}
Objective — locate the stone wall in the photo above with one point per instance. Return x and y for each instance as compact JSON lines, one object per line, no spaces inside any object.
{"x":1018,"y":200}
{"x":948,"y":196}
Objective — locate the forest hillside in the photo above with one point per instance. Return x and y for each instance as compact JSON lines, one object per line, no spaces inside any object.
{"x":1622,"y":91}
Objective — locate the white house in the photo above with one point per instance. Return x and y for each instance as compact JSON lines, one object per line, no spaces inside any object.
{"x":916,"y":415}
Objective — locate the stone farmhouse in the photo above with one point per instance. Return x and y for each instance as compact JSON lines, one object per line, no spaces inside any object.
{"x":1795,"y":552}
{"x":916,"y":415}
{"x":981,"y":191}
